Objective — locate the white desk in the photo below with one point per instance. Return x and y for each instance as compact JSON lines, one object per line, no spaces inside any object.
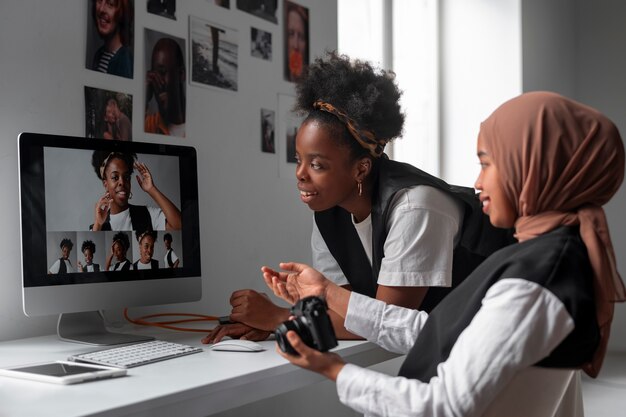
{"x":196,"y":385}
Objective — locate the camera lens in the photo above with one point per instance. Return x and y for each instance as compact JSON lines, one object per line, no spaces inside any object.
{"x":298,"y":326}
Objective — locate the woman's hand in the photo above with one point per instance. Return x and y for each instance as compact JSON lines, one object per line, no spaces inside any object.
{"x":256,"y":310}
{"x":145,"y":177}
{"x":301,"y":281}
{"x":325,"y":363}
{"x":101,"y":211}
{"x":236,"y":331}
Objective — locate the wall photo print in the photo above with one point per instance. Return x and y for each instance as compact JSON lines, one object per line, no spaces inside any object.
{"x":260,"y":44}
{"x":268,"y":121}
{"x":110,"y":27}
{"x":222,"y":3}
{"x":296,"y":38}
{"x":165,"y":84}
{"x":265,"y":9}
{"x":108,"y":114}
{"x":164,"y":8}
{"x":214,"y":54}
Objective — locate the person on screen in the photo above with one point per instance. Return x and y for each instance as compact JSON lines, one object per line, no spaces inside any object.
{"x":113,"y":211}
{"x":170,"y":259}
{"x":63,"y":265}
{"x":381,"y":228}
{"x":513,"y":334}
{"x":296,"y":40}
{"x":165,"y":83}
{"x":146,"y":250}
{"x":88,"y":248}
{"x":119,"y":248}
{"x":117,"y":125}
{"x":114,"y":22}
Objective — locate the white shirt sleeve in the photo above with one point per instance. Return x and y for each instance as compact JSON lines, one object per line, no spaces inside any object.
{"x":519,"y":323}
{"x":157,"y":217}
{"x":54,"y":269}
{"x":323,"y":260}
{"x":391,"y":327}
{"x":423,"y":228}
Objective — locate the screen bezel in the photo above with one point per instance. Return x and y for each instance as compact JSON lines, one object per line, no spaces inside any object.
{"x":33,"y":212}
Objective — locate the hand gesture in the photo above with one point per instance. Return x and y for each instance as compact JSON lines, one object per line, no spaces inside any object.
{"x":301,"y":281}
{"x":256,"y":310}
{"x":103,"y":205}
{"x":155,"y":86}
{"x":236,"y":331}
{"x":144,"y":178}
{"x":80,"y":267}
{"x":325,"y":363}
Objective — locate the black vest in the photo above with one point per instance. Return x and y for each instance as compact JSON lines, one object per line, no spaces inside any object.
{"x":557,"y":261}
{"x":139,"y":219}
{"x":478,"y":238}
{"x":169,"y":258}
{"x":62,"y":266}
{"x":126,"y":266}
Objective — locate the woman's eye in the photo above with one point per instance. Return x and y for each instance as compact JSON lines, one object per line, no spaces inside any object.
{"x":315,"y":165}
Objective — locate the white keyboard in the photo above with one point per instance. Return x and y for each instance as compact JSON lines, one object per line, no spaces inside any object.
{"x":129,"y":356}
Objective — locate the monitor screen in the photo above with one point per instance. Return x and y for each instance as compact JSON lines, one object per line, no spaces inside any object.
{"x":107,"y":224}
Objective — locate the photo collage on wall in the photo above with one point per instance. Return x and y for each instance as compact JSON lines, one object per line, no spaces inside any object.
{"x":212,"y":61}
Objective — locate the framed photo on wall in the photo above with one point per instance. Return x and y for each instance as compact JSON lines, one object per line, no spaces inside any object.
{"x":214,"y":54}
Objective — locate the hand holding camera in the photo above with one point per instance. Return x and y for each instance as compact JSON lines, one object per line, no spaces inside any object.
{"x":311,"y":323}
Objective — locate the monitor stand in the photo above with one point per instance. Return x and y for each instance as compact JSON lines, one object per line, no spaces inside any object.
{"x":88,"y":327}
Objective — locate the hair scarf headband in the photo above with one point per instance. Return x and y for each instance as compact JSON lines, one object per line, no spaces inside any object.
{"x":366,"y":138}
{"x":559,"y":161}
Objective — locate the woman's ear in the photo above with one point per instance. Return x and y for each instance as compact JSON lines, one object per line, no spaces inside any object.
{"x":363,"y":168}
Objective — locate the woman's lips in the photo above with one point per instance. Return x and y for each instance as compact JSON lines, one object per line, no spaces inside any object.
{"x":307,"y":196}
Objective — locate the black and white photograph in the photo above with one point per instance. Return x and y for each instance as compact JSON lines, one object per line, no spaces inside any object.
{"x":163,"y":8}
{"x":267,"y":130}
{"x":108,"y":114}
{"x":222,"y":3}
{"x":214,"y":54}
{"x":265,"y":9}
{"x":261,"y":44}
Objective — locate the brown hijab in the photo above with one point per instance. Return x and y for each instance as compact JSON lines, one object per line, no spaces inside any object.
{"x":559,"y":162}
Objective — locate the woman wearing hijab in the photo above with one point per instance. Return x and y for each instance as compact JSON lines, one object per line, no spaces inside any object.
{"x":508,"y":340}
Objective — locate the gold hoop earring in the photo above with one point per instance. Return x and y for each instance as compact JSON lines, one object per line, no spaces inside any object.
{"x":360,"y":187}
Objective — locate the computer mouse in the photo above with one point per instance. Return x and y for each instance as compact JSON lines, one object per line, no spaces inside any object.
{"x":238,"y":345}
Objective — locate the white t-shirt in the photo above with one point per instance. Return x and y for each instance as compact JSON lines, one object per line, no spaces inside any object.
{"x":141,"y":265}
{"x":423,"y":228}
{"x":54,"y":269}
{"x":489,"y":371}
{"x":121,"y":220}
{"x":174,"y":258}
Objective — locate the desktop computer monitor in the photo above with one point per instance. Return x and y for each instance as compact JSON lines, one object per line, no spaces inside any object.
{"x":106,"y":225}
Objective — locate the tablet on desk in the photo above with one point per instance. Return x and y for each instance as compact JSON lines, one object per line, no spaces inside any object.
{"x":62,"y":372}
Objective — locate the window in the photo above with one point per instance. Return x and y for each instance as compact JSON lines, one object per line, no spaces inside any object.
{"x":401,"y":35}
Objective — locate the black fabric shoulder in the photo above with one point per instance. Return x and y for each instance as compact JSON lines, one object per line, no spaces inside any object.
{"x":557,"y":261}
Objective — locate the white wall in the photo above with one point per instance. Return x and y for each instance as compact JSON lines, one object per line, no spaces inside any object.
{"x":249,"y":216}
{"x":601,"y":82}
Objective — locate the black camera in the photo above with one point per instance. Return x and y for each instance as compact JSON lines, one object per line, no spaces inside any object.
{"x":311,"y":323}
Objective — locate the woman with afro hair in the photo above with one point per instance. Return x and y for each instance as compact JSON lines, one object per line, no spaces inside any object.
{"x":63,"y":265}
{"x":113,"y":210}
{"x":382,"y":228}
{"x":88,"y":248}
{"x":119,"y":248}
